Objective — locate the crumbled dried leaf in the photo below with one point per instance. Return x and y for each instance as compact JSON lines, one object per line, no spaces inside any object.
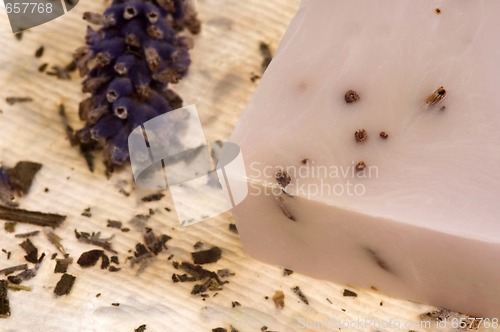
{"x":4,"y":300}
{"x":26,"y":235}
{"x":31,"y":251}
{"x":95,"y":239}
{"x":64,"y":285}
{"x":349,"y":293}
{"x":62,"y":265}
{"x":153,"y":197}
{"x":90,"y":258}
{"x":287,"y":272}
{"x":12,"y":269}
{"x":232,"y":228}
{"x":31,"y":217}
{"x":141,"y":328}
{"x":211,"y":255}
{"x":87,"y":213}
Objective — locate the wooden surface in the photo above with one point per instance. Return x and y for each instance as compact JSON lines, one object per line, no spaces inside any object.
{"x":225,"y":56}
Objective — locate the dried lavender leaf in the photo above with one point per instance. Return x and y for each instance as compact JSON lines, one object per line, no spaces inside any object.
{"x":39,"y":52}
{"x":104,"y":262}
{"x":62,"y":265}
{"x":4,"y":300}
{"x":349,"y":293}
{"x":22,"y":175}
{"x":87,"y":213}
{"x":26,"y":235}
{"x":90,"y":258}
{"x":155,"y":244}
{"x":153,"y":197}
{"x":114,"y":224}
{"x":15,"y":100}
{"x":31,"y":251}
{"x":287,"y":272}
{"x":232,"y":228}
{"x":95,"y":239}
{"x":56,"y":241}
{"x":211,"y":255}
{"x":301,"y":295}
{"x":64,"y":285}
{"x":31,"y":217}
{"x":23,"y":276}
{"x":13,"y":269}
{"x":114,"y":260}
{"x":141,"y":328}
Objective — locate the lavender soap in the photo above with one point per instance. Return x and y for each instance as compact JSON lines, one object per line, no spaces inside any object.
{"x":372,"y":150}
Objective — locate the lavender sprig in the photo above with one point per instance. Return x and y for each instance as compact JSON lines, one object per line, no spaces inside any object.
{"x":128,"y":64}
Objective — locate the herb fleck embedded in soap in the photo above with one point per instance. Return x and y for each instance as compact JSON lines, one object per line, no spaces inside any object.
{"x":436,"y":96}
{"x":64,"y":285}
{"x":360,"y":166}
{"x":384,"y":135}
{"x":283,"y":178}
{"x":287,"y":272}
{"x":361,"y":136}
{"x":284,"y":209}
{"x":39,"y":52}
{"x":438,"y":11}
{"x":351,"y":96}
{"x":349,"y":293}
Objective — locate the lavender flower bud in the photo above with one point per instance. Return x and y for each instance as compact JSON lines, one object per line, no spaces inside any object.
{"x":128,"y":63}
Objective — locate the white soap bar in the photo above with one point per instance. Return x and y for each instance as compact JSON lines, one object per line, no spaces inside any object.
{"x":421,"y":221}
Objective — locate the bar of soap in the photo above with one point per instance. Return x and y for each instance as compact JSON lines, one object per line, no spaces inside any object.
{"x":372,"y":150}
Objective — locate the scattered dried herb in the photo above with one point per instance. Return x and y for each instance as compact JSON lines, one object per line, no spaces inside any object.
{"x":235,"y":304}
{"x":219,"y":329}
{"x":329,"y":301}
{"x":95,"y":239}
{"x":21,"y":176}
{"x":13,"y":269}
{"x":211,"y":255}
{"x":43,"y":67}
{"x":31,"y":251}
{"x":153,"y":197}
{"x":64,"y":285}
{"x":26,"y":274}
{"x":351,"y":96}
{"x":59,"y":72}
{"x":115,"y":304}
{"x":384,"y":135}
{"x":267,"y":55}
{"x":104,"y":262}
{"x":62,"y":265}
{"x":26,"y":235}
{"x":87,"y":213}
{"x":301,"y":295}
{"x":113,"y":268}
{"x":438,"y":11}
{"x":31,"y":217}
{"x":56,"y":241}
{"x":8,"y":253}
{"x":198,"y":245}
{"x":287,"y":272}
{"x":349,"y":293}
{"x":361,"y":136}
{"x":39,"y":52}
{"x":232,"y":228}
{"x":10,"y":227}
{"x":224,"y":273}
{"x":141,"y":328}
{"x":4,"y":300}
{"x":436,"y":96}
{"x":279,"y":299}
{"x":16,"y":100}
{"x":114,"y":224}
{"x":86,"y":148}
{"x":90,"y":258}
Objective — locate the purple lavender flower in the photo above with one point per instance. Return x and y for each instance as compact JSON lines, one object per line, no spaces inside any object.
{"x":128,"y":64}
